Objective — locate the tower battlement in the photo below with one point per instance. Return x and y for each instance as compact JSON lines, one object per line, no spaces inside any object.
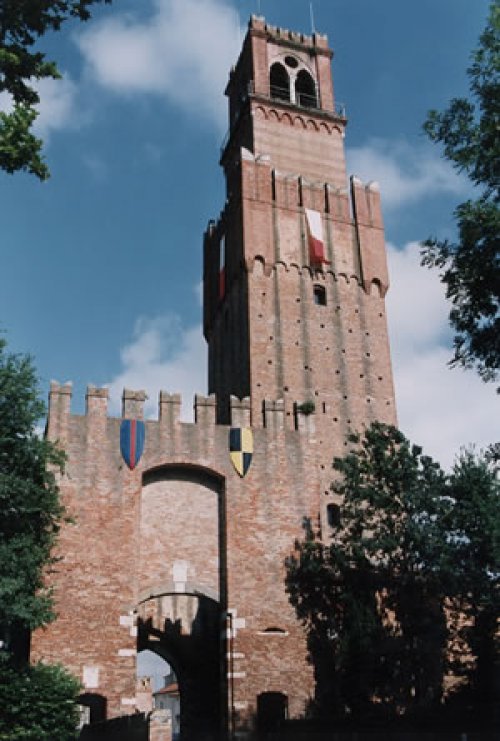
{"x":276,"y":205}
{"x":276,"y":33}
{"x":272,"y":417}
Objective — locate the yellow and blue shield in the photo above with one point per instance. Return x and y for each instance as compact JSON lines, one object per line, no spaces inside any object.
{"x":241,"y":448}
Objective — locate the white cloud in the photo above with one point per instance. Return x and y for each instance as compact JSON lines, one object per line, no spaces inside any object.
{"x":405,"y":173}
{"x":416,"y":297}
{"x":183,"y":52}
{"x":163,"y":355}
{"x":57,"y":107}
{"x":440,"y":408}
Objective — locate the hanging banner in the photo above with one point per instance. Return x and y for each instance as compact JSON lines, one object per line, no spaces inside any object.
{"x":315,"y":238}
{"x":132,"y":438}
{"x":241,"y":448}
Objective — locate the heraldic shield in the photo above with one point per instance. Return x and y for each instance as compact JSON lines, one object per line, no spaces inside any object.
{"x":132,"y":437}
{"x":241,"y":448}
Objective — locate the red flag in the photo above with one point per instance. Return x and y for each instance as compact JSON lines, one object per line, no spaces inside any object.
{"x":315,"y":238}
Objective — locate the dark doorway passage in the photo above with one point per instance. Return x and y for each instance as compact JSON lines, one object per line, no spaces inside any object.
{"x":272,"y":711}
{"x":185,"y":630}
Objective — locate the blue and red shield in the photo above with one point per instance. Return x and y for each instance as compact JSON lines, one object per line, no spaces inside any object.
{"x":132,"y":436}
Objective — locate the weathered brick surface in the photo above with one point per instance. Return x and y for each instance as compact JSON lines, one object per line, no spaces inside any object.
{"x":182,"y":531}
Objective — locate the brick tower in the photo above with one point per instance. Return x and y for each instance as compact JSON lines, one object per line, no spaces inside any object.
{"x":294,"y":281}
{"x":181,"y":553}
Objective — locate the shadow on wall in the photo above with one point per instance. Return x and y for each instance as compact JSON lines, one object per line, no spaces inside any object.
{"x":126,"y":728}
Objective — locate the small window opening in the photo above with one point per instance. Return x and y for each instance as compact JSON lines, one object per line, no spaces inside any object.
{"x":319,"y":295}
{"x":279,"y":82}
{"x":275,"y":629}
{"x":305,"y":90}
{"x":291,"y":62}
{"x":333,"y":515}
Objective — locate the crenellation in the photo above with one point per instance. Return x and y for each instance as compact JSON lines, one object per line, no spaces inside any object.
{"x":239,"y":411}
{"x":133,"y":404}
{"x":205,"y":422}
{"x":370,"y":236}
{"x":313,"y":195}
{"x":286,"y":189}
{"x":338,"y":204}
{"x":205,"y":409}
{"x":96,"y":401}
{"x":374,"y":205}
{"x":305,"y":420}
{"x":169,"y":408}
{"x":59,"y":410}
{"x":274,"y":415}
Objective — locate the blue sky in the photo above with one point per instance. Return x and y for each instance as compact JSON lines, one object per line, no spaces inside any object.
{"x":101,"y":265}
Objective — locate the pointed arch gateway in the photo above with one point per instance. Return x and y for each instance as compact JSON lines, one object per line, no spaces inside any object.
{"x":182,"y":589}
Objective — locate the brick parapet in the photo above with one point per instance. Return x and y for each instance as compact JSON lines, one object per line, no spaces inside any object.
{"x":169,"y":408}
{"x":355,"y":243}
{"x":133,"y":403}
{"x":59,"y":405}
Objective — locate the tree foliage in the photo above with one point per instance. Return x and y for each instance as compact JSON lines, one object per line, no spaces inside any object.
{"x":30,"y":511}
{"x":22,"y":23}
{"x":469,"y":131}
{"x":475,"y":533}
{"x":384,"y":602}
{"x":37,"y":703}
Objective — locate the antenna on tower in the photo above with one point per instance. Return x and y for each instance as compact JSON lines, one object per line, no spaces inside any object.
{"x":311,"y":10}
{"x":258,"y":7}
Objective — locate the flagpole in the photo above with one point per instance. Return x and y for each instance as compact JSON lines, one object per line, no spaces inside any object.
{"x":313,"y":29}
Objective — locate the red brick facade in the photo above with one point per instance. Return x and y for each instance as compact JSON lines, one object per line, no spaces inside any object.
{"x":181,"y":555}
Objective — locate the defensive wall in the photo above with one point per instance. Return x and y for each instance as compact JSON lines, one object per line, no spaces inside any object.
{"x":180,"y":548}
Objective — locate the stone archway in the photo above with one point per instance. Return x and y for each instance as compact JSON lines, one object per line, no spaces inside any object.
{"x":181,"y":580}
{"x":185,"y":630}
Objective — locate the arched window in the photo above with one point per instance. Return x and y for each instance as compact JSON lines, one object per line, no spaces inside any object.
{"x":319,"y":295}
{"x":305,"y":90}
{"x":280,"y":82}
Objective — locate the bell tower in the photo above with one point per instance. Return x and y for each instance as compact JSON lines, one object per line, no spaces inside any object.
{"x":295,"y":267}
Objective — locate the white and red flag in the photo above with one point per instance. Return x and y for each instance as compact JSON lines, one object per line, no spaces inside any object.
{"x":315,"y":237}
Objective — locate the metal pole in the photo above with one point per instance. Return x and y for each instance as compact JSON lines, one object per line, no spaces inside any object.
{"x":313,"y":29}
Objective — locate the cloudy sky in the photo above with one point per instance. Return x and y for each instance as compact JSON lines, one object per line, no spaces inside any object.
{"x":100,"y":276}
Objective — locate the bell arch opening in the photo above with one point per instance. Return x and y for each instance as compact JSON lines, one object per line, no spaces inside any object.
{"x":305,"y":90}
{"x":279,"y":82}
